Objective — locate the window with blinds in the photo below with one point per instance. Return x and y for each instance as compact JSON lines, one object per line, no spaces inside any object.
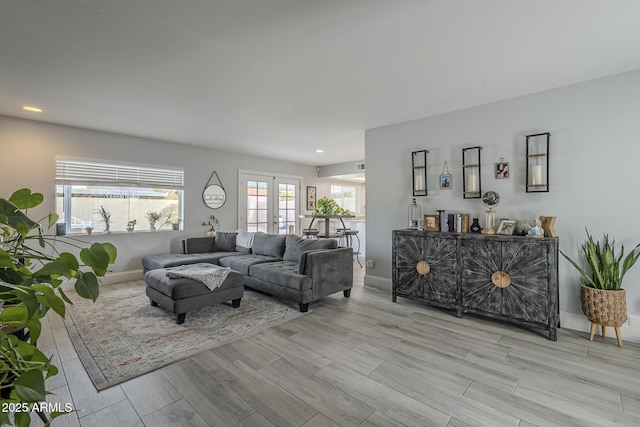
{"x":111,"y":197}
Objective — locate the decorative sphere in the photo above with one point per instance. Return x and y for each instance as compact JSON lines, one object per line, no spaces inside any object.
{"x":490,"y":199}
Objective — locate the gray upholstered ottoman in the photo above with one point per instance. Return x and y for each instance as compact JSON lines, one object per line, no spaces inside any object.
{"x":181,"y":295}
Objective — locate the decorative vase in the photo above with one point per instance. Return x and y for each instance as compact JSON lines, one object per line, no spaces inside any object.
{"x":176,"y":227}
{"x":152,"y":226}
{"x":129,"y":229}
{"x":88,"y":230}
{"x":107,"y":229}
{"x":211,"y":233}
{"x":475,"y":226}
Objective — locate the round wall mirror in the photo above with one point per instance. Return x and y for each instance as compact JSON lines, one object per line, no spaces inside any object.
{"x":214,"y":196}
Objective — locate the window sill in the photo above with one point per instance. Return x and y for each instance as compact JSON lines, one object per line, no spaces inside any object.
{"x":102,"y":233}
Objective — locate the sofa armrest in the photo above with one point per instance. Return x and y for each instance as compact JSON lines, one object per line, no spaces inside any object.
{"x":193,"y":245}
{"x":330,"y":270}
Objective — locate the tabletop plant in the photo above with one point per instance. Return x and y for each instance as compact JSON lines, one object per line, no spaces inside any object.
{"x":153,"y":217}
{"x":32,"y":271}
{"x":328,"y":207}
{"x":211,"y":223}
{"x":105,"y":217}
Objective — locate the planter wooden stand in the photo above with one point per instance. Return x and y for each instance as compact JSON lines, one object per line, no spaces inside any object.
{"x":604,"y":308}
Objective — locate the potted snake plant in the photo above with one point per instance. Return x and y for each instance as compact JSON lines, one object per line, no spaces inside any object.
{"x":603,"y":299}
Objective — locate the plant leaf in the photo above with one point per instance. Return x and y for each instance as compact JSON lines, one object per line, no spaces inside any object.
{"x":54,"y":267}
{"x":30,"y":386}
{"x":96,"y":257}
{"x":70,"y":260}
{"x":14,"y":315}
{"x":5,"y":260}
{"x":87,"y":286}
{"x":14,"y":216}
{"x":25,"y":199}
{"x":53,"y":218}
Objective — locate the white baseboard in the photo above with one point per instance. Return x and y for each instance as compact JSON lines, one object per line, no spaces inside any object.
{"x":123,"y":276}
{"x":630,"y":330}
{"x":111,"y":278}
{"x":377,"y":282}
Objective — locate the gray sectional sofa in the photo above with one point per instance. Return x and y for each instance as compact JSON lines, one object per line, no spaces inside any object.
{"x":285,"y":266}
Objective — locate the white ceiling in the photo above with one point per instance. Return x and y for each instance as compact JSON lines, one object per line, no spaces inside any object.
{"x":281,"y":78}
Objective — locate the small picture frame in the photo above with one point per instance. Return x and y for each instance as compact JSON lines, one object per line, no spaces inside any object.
{"x":445,"y":182}
{"x":506,"y":227}
{"x":431,"y":223}
{"x":502,"y":170}
{"x":311,"y":198}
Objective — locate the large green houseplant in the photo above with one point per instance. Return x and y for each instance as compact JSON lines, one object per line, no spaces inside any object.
{"x":603,"y":299}
{"x":32,"y":271}
{"x":607,"y":268}
{"x":328,"y":207}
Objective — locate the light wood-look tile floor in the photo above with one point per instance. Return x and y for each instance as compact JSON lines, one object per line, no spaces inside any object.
{"x":366,"y":361}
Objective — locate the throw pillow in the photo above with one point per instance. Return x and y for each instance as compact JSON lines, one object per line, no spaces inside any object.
{"x":268,"y":244}
{"x":295,"y":245}
{"x":225,"y":241}
{"x":244,"y":241}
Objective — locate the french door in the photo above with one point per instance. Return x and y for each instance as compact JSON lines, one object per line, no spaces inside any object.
{"x":268,"y":203}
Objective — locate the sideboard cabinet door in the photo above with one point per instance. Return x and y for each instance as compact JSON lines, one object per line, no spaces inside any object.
{"x":425,"y":267}
{"x":507,"y":278}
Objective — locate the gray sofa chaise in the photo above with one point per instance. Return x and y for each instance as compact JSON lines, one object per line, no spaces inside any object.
{"x":285,"y":266}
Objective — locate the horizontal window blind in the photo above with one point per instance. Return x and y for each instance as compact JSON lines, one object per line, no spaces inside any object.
{"x":73,"y":172}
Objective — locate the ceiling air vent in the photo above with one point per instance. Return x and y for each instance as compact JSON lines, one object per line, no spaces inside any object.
{"x":359,"y":166}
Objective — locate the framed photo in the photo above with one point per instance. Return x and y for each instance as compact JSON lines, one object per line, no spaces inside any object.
{"x":311,"y":198}
{"x":431,"y":223}
{"x":502,"y":170}
{"x":506,"y":227}
{"x":445,"y":182}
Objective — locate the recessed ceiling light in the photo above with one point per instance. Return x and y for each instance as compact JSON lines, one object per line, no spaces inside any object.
{"x":319,"y":150}
{"x":32,"y":109}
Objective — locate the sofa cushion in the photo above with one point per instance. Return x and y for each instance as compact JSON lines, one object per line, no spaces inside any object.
{"x":244,"y":241}
{"x":171,"y":260}
{"x":242,"y":262}
{"x":225,"y":241}
{"x":268,"y":244}
{"x":295,"y":245}
{"x":282,"y":273}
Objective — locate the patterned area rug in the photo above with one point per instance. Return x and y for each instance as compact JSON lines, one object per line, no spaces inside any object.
{"x":121,"y":336}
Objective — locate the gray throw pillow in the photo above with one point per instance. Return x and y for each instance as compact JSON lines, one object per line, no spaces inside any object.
{"x":225,"y":241}
{"x":296,"y":245}
{"x":268,"y":244}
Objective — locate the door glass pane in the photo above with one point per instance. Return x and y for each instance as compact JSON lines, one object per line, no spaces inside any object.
{"x":257,"y":206}
{"x":287,"y":208}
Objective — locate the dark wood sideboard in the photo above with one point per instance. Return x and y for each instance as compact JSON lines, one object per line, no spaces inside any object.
{"x":511,"y":278}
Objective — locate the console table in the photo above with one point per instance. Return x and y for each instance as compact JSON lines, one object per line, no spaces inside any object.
{"x":511,"y":278}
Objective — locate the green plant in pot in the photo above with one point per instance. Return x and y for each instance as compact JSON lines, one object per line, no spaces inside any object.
{"x":32,"y":271}
{"x":604,"y":302}
{"x":153,"y":217}
{"x":328,"y":207}
{"x":211,"y":225}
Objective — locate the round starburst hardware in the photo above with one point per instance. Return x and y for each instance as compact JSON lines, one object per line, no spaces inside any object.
{"x":501,"y":279}
{"x":423,"y":268}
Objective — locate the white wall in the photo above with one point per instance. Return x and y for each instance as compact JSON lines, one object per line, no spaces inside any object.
{"x":28,"y":150}
{"x":594,"y":153}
